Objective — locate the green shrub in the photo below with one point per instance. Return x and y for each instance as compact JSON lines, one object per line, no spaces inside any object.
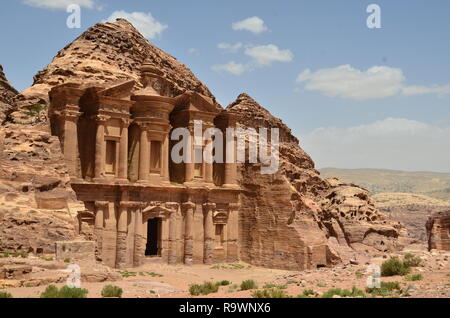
{"x":67,"y":260}
{"x":5,"y":295}
{"x":65,"y":292}
{"x":355,"y":292}
{"x":308,"y":292}
{"x":268,"y":286}
{"x":204,"y":289}
{"x":394,"y":266}
{"x":112,"y":291}
{"x":248,"y":284}
{"x":224,"y":283}
{"x":387,"y":289}
{"x":411,"y":260}
{"x":270,"y":293}
{"x":414,"y":277}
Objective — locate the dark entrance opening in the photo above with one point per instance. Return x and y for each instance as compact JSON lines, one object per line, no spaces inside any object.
{"x":153,"y":237}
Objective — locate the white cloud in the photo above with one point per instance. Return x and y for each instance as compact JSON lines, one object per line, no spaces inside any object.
{"x":193,"y":50}
{"x":267,"y":54}
{"x":232,"y":48}
{"x":421,"y":90}
{"x":392,"y":143}
{"x":144,"y":22}
{"x":253,"y":24}
{"x":231,"y":67}
{"x":59,"y":4}
{"x":377,"y":82}
{"x":347,"y":82}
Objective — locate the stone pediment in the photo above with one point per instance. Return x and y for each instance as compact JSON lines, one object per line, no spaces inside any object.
{"x":195,"y":102}
{"x":120,"y":90}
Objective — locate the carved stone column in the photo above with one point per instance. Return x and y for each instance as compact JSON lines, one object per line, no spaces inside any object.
{"x":172,"y":232}
{"x":189,"y":166}
{"x":100,"y":210}
{"x":188,"y":210}
{"x":123,"y":151}
{"x":232,"y":235}
{"x":122,"y":222}
{"x":165,"y":159}
{"x":100,"y":147}
{"x":139,"y":240}
{"x":70,"y":143}
{"x":208,"y":210}
{"x":209,"y":178}
{"x":144,"y":156}
{"x":230,"y":171}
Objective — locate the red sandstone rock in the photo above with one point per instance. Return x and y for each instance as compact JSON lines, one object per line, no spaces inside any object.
{"x":438,"y":231}
{"x":7,"y":93}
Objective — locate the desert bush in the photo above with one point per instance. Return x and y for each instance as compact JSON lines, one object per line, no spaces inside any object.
{"x":248,"y":284}
{"x":224,"y":283}
{"x":355,"y":292}
{"x":414,"y":277}
{"x":411,"y":260}
{"x":204,"y":289}
{"x":269,"y":285}
{"x":394,"y":266}
{"x":5,"y":295}
{"x":65,"y":292}
{"x":112,"y":291}
{"x":387,"y":289}
{"x":307,"y":293}
{"x":270,"y":293}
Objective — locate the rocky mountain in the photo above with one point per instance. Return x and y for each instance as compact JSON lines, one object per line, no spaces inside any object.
{"x":291,"y":219}
{"x":105,"y":53}
{"x":296,"y":209}
{"x":7,"y":93}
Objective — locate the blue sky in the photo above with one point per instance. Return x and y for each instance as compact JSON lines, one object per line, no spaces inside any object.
{"x":356,"y":97}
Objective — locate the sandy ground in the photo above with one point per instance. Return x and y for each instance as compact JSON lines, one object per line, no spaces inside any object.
{"x":174,"y":281}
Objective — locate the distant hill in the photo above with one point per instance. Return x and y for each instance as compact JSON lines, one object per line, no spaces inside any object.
{"x":407,"y":197}
{"x":432,"y":184}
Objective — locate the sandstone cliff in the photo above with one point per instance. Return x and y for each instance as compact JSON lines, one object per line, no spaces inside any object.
{"x":326,"y":221}
{"x":7,"y":93}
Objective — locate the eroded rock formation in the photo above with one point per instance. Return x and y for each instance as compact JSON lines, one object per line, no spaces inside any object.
{"x":438,"y":231}
{"x":296,"y":219}
{"x":7,"y":93}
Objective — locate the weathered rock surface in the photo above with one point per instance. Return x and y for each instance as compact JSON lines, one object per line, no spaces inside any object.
{"x":438,"y":231}
{"x":105,"y":53}
{"x":7,"y":93}
{"x":35,"y":194}
{"x":294,"y":218}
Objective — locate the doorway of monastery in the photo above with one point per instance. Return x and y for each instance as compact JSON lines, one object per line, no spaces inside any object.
{"x":153,"y":247}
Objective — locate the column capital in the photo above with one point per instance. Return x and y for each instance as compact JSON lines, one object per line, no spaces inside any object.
{"x":70,"y":114}
{"x":129,"y":204}
{"x":172,"y":206}
{"x":126,"y":122}
{"x":101,"y":204}
{"x":209,"y":206}
{"x":187,"y":205}
{"x":101,"y":119}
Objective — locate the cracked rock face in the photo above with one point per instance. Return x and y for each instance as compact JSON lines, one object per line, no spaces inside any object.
{"x":294,"y":218}
{"x":7,"y":93}
{"x":438,"y":231}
